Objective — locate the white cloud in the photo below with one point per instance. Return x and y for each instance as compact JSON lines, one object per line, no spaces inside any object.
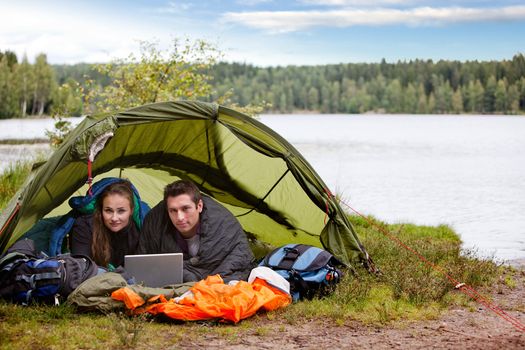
{"x":252,"y":2}
{"x":367,"y":3}
{"x":91,"y":37}
{"x":400,"y":3}
{"x":174,"y":7}
{"x":288,"y":21}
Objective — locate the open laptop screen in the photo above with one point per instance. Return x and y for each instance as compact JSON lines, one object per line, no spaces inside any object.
{"x":155,"y":270}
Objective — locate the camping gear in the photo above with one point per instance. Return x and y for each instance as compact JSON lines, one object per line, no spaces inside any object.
{"x":94,"y":294}
{"x":311,"y":271}
{"x":155,"y":270}
{"x":26,"y":277}
{"x":261,"y":178}
{"x":211,"y":298}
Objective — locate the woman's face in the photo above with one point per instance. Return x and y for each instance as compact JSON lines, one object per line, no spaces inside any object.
{"x":116,"y":211}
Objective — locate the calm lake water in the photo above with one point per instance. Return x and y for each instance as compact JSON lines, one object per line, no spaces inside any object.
{"x":464,"y":171}
{"x":25,"y":129}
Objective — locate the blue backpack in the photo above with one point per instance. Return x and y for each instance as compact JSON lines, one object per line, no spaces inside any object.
{"x":26,"y":277}
{"x":311,"y":271}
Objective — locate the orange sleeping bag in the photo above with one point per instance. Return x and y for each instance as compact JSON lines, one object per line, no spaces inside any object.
{"x":210,"y":299}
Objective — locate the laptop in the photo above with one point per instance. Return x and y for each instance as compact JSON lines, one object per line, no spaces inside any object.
{"x":155,"y":270}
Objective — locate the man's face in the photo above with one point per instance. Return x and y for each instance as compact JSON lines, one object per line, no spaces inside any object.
{"x":184,"y":214}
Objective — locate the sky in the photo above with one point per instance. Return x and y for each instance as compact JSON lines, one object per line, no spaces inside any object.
{"x":267,"y":32}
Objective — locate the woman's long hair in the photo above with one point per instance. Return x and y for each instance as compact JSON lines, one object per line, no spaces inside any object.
{"x":100,"y":244}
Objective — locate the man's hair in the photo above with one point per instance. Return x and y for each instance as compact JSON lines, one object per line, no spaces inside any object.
{"x":183,"y":187}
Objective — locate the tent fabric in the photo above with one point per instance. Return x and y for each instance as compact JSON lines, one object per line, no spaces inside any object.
{"x":254,"y":172}
{"x":210,"y":299}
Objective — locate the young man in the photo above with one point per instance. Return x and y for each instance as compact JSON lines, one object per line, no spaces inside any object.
{"x":211,"y":238}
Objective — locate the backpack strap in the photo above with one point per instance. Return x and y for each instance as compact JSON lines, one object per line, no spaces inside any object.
{"x":11,"y":260}
{"x":297,"y":283}
{"x":33,"y":279}
{"x":290,"y":256}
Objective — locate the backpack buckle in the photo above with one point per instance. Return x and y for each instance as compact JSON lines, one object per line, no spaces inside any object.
{"x":290,"y":253}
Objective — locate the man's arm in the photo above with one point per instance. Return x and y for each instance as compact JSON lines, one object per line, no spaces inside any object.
{"x":224,"y":249}
{"x":239,"y":261}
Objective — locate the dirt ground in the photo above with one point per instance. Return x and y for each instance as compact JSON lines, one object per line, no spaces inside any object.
{"x":458,"y":328}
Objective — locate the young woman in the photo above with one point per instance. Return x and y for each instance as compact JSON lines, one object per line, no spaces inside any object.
{"x":110,"y":232}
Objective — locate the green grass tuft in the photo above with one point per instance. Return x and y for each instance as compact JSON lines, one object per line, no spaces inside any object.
{"x":11,"y":180}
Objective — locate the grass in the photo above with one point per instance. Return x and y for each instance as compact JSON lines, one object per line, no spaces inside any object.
{"x":405,"y":290}
{"x":11,"y":179}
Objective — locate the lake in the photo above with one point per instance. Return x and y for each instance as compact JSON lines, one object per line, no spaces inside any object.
{"x":464,"y":171}
{"x":25,"y":129}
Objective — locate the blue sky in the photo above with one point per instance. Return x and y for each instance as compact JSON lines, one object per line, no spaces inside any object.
{"x":268,"y":32}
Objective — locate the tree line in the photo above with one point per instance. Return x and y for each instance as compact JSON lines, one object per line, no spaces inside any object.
{"x":415,"y":87}
{"x":25,"y":88}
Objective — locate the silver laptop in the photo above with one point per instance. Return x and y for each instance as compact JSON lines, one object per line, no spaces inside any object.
{"x":155,"y":270}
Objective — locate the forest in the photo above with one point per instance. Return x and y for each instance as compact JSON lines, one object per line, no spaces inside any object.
{"x":412,"y":87}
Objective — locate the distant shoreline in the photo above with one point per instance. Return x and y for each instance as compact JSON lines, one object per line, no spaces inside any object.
{"x":23,"y":141}
{"x":517,"y":263}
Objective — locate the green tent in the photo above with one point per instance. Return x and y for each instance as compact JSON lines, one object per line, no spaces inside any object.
{"x":250,"y":169}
